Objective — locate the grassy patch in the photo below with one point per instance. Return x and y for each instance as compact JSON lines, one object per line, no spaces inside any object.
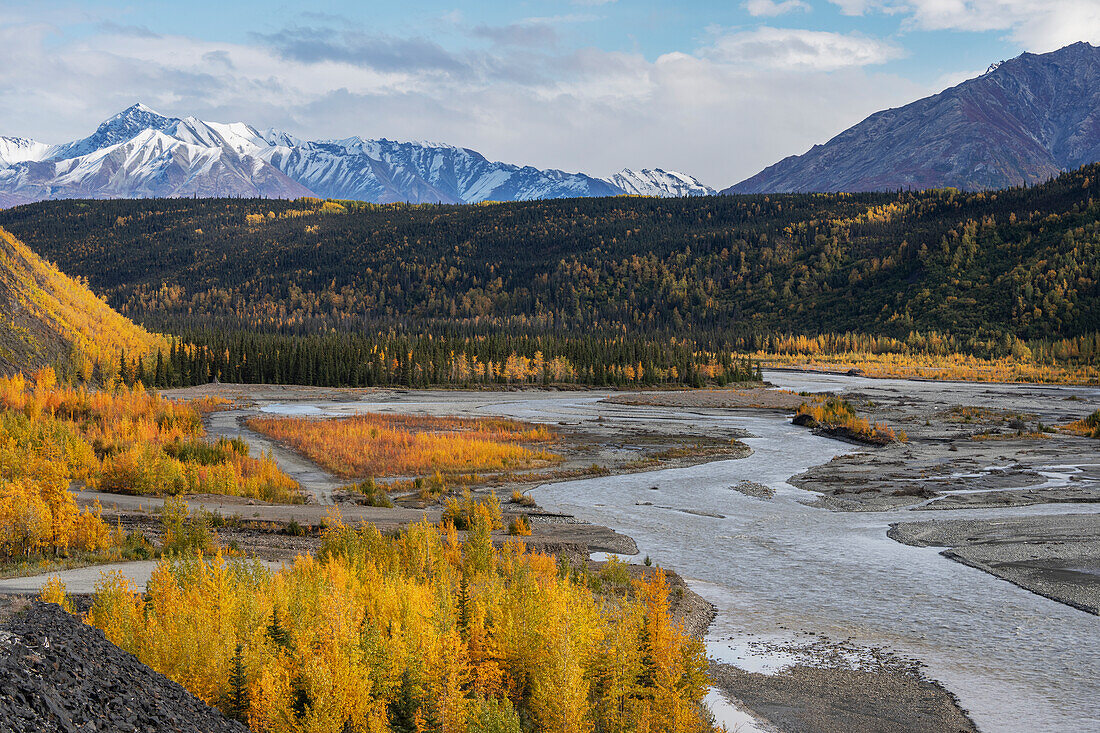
{"x":399,"y":445}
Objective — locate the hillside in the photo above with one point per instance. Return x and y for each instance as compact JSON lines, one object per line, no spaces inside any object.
{"x":1023,"y":122}
{"x":1021,"y":262}
{"x":49,"y":316}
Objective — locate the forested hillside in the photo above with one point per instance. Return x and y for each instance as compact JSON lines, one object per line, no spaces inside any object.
{"x":724,"y":272}
{"x":47,"y":316}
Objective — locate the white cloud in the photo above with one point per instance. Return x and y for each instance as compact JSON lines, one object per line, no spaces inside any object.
{"x":790,"y":48}
{"x":772,"y":8}
{"x":720,"y":112}
{"x":1036,"y":25}
{"x":856,"y":7}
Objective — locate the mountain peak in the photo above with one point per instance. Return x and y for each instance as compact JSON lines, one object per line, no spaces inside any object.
{"x":136,"y":116}
{"x":138,"y":108}
{"x":123,"y":126}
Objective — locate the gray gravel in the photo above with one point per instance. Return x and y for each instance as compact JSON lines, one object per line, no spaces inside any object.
{"x":890,"y":696}
{"x":1056,"y":556}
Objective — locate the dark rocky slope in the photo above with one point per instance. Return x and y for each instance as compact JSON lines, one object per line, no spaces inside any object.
{"x":58,"y":674}
{"x":1024,"y":121}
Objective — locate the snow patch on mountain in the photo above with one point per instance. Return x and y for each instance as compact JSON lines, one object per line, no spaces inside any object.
{"x":657,"y":182}
{"x":19,"y":150}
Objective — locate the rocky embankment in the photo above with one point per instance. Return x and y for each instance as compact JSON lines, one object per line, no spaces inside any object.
{"x":58,"y":674}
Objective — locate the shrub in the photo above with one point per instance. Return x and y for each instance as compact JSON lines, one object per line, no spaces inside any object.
{"x":518,"y":497}
{"x":492,"y":715}
{"x":519,"y":526}
{"x":836,"y":413}
{"x":54,"y":592}
{"x":182,"y":531}
{"x":374,"y":493}
{"x":463,"y":512}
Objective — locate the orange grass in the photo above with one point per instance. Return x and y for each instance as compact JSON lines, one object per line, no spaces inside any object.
{"x":406,"y":445}
{"x":1088,"y":427}
{"x":951,"y":367}
{"x":209,"y":403}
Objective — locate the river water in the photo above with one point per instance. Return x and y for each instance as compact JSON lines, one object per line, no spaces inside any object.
{"x":1016,"y":661}
{"x":777,"y":569}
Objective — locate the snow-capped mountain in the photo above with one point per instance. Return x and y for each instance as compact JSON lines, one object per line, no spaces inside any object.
{"x":386,"y":171}
{"x":19,"y":150}
{"x":657,"y":182}
{"x":141,"y":153}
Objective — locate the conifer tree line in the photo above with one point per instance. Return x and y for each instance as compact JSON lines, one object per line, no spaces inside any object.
{"x":356,"y":360}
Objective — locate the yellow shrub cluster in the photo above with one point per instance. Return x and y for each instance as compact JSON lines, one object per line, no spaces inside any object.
{"x":395,"y":445}
{"x":836,"y":413}
{"x":1088,"y":427}
{"x":127,"y":441}
{"x":950,"y":367}
{"x":69,"y":308}
{"x":415,"y":632}
{"x":37,"y":513}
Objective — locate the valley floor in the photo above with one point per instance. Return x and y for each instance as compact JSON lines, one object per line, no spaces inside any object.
{"x":643,"y":463}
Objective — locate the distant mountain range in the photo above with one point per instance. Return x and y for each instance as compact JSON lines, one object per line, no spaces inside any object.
{"x":1023,"y":121}
{"x":140,"y":153}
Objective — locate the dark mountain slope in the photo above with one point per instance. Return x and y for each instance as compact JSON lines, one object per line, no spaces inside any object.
{"x":1023,"y":122}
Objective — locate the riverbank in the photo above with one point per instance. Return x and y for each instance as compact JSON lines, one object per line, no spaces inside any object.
{"x":826,"y":699}
{"x":613,"y":425}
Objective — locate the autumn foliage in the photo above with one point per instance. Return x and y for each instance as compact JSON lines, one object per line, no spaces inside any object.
{"x":127,"y":440}
{"x":49,"y":315}
{"x":945,"y":367}
{"x":38,"y":458}
{"x":834,"y":413}
{"x":409,"y":445}
{"x":415,"y":632}
{"x":1088,"y":427}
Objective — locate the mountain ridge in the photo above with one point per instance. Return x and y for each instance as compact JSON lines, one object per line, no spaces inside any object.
{"x":1024,"y":121}
{"x":142,"y":153}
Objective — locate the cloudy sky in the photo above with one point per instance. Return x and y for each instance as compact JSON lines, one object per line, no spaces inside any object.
{"x":715,"y":88}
